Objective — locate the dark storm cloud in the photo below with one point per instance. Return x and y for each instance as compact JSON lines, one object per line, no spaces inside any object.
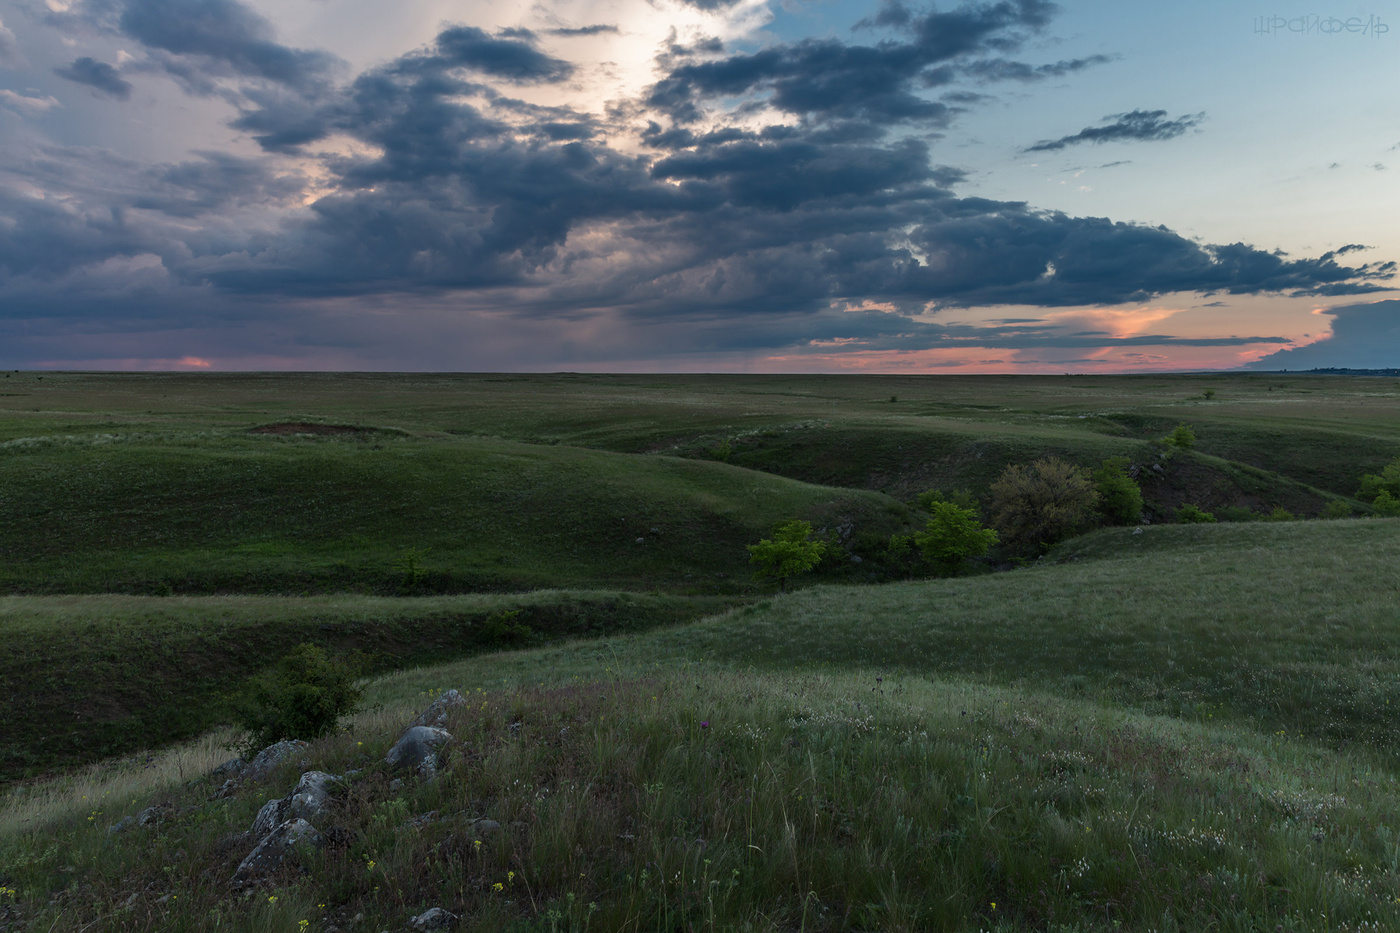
{"x":748,"y":233}
{"x":1363,"y":337}
{"x":828,"y":78}
{"x":98,"y":75}
{"x":225,"y":32}
{"x":1137,"y":126}
{"x":513,"y":57}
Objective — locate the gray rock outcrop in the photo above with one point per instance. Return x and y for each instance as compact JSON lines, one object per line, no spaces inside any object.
{"x":434,"y":918}
{"x":436,"y":714}
{"x":307,"y":801}
{"x":272,"y":852}
{"x":417,"y":749}
{"x":262,"y":764}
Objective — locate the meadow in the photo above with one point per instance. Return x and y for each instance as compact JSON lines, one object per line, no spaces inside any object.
{"x":1189,"y":727}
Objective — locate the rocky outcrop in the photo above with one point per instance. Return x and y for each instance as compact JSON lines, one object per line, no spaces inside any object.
{"x":436,"y":714}
{"x":418,"y":750}
{"x":271,"y":853}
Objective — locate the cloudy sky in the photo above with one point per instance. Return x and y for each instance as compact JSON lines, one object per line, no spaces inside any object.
{"x":716,"y":185}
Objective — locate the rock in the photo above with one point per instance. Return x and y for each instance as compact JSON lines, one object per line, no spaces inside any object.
{"x":230,"y":767}
{"x":121,"y":825}
{"x":1137,"y":531}
{"x":421,"y":820}
{"x":434,"y":918}
{"x":151,"y":816}
{"x":308,"y":801}
{"x":418,"y":749}
{"x":436,"y":714}
{"x":262,"y":764}
{"x":479,"y":829}
{"x":273,"y":850}
{"x":226,"y":789}
{"x":856,"y":559}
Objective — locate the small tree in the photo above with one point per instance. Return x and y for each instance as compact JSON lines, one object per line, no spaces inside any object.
{"x":1181,"y":436}
{"x":791,"y":550}
{"x":1045,"y":502}
{"x":953,"y":534}
{"x":1120,"y":499}
{"x":303,"y":697}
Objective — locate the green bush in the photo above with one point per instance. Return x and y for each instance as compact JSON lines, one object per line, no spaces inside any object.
{"x":1280,"y":514}
{"x":1120,"y":499}
{"x":1337,"y":508}
{"x":962,"y":498}
{"x":953,"y":535}
{"x":1181,"y":436}
{"x":1382,"y":489}
{"x":1191,"y":515}
{"x":503,"y":629}
{"x":303,"y":697}
{"x":1386,"y":504}
{"x":1036,"y":505}
{"x":1235,"y":513}
{"x":790,"y":551}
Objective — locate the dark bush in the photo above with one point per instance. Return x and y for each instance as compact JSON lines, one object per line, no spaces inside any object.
{"x":1192,"y":515}
{"x":303,"y":697}
{"x":1037,"y":505}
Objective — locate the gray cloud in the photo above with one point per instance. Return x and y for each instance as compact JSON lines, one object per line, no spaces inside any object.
{"x":100,"y":76}
{"x":737,"y":236}
{"x":1137,"y":126}
{"x":1364,"y":336}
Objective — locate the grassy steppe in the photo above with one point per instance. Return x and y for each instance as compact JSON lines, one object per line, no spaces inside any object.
{"x":224,"y":512}
{"x":87,"y":677}
{"x":1181,"y":730}
{"x":1189,"y":728}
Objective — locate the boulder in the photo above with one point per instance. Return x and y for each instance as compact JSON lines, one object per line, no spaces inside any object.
{"x":307,"y":801}
{"x":418,"y":749}
{"x":230,"y":767}
{"x":436,"y":714}
{"x":262,"y":764}
{"x":273,"y":851}
{"x":435,"y":918}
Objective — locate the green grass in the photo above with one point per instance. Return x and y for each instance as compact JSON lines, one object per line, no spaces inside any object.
{"x":1184,"y":729}
{"x":227,"y":512}
{"x":88,"y":677}
{"x":1189,"y":728}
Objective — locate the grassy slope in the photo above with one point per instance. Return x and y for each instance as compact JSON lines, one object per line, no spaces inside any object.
{"x":901,"y":757}
{"x":226,"y":512}
{"x":87,"y":677}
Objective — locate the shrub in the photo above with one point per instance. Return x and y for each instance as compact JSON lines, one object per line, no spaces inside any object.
{"x":303,"y":697}
{"x":1235,"y":513}
{"x":1337,"y":508}
{"x":789,"y":551}
{"x":1386,"y":504}
{"x":1280,"y":514}
{"x":1036,"y":505}
{"x":962,"y":498}
{"x":502,"y":629}
{"x":1191,"y":515}
{"x":1120,"y":499}
{"x":953,"y":534}
{"x":1382,"y":489}
{"x":1181,"y":436}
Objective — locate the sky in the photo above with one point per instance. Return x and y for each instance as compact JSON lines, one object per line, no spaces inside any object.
{"x":699,"y":185}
